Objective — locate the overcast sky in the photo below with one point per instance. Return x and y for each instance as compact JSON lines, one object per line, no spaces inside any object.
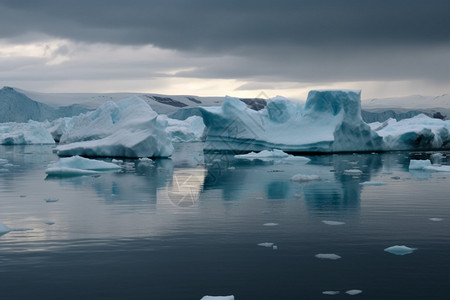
{"x":241,"y":48}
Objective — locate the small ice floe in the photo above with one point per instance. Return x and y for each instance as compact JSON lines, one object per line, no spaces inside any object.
{"x":353,"y":172}
{"x":333,"y":223}
{"x":331,"y":256}
{"x":331,"y":293}
{"x":353,"y":292}
{"x":266,"y":244}
{"x":77,"y":165}
{"x":373,"y":183}
{"x":231,"y":297}
{"x":270,"y":224}
{"x":400,"y":250}
{"x":275,"y":247}
{"x":51,"y":200}
{"x":4,"y":229}
{"x":270,"y":155}
{"x":304,"y":178}
{"x":436,"y":168}
{"x":436,"y":219}
{"x":419,"y":164}
{"x":49,"y":223}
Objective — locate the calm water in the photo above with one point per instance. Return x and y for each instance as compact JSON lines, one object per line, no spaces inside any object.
{"x":190,"y":226}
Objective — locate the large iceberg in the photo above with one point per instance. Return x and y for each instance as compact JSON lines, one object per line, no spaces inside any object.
{"x":32,"y":132}
{"x":330,"y":121}
{"x":189,"y":130}
{"x":128,"y":128}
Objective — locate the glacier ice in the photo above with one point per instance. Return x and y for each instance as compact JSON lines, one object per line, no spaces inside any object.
{"x":31,"y":132}
{"x":330,"y":121}
{"x":400,"y":250}
{"x":128,"y":128}
{"x":189,"y":130}
{"x":76,"y":165}
{"x":331,"y":256}
{"x":231,"y":297}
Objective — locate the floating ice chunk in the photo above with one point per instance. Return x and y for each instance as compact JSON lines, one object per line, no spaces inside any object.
{"x":31,"y":132}
{"x":331,"y":293}
{"x":271,"y":224}
{"x":373,"y":183}
{"x":436,"y":219}
{"x":331,"y":256}
{"x":419,"y":164}
{"x":400,"y":250}
{"x":304,"y":178}
{"x":4,"y":229}
{"x":49,"y":223}
{"x":275,"y":247}
{"x":333,"y":223}
{"x":265,"y":154}
{"x":353,"y":292}
{"x":266,"y":244}
{"x":353,"y":172}
{"x":231,"y":297}
{"x":76,"y":165}
{"x":51,"y":200}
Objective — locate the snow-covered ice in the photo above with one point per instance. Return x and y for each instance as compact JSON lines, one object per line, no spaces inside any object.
{"x":330,"y":256}
{"x":128,"y":128}
{"x":190,"y":130}
{"x":333,"y":223}
{"x":231,"y":297}
{"x":304,"y":178}
{"x":266,"y":244}
{"x":77,"y":165}
{"x":400,"y":250}
{"x":31,"y":132}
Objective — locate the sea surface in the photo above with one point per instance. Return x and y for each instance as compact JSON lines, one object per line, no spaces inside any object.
{"x":207,"y":224}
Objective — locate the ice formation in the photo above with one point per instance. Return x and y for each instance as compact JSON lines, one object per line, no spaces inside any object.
{"x":353,"y":292}
{"x":331,"y":293}
{"x":270,"y":224}
{"x":76,"y":165}
{"x":330,"y":121}
{"x":31,"y":132}
{"x":128,"y":128}
{"x":4,"y":229}
{"x":400,"y":250}
{"x":372,"y":183}
{"x":425,"y":164}
{"x":331,"y":256}
{"x":189,"y":130}
{"x":266,"y":244}
{"x":436,"y":219}
{"x":333,"y":223}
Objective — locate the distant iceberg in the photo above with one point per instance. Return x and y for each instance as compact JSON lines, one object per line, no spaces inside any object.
{"x":32,"y":132}
{"x":330,"y":121}
{"x":128,"y":128}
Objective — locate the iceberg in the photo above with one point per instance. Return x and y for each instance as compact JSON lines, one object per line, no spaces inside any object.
{"x":400,"y":250}
{"x":353,"y":292}
{"x":76,"y":165}
{"x":231,"y":297}
{"x":331,"y":256}
{"x":417,"y":133}
{"x":128,"y":128}
{"x":32,"y":132}
{"x":419,"y":164}
{"x":304,"y":178}
{"x":4,"y":229}
{"x":330,"y":121}
{"x":333,"y":223}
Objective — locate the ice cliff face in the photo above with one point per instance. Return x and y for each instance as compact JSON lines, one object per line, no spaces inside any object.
{"x":128,"y":128}
{"x":330,"y":121}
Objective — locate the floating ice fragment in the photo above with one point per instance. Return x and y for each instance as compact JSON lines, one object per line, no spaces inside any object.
{"x":373,"y":183}
{"x":331,"y":256}
{"x":400,"y":250}
{"x":333,"y":223}
{"x":231,"y":297}
{"x":330,"y":293}
{"x":266,"y":244}
{"x":51,"y":200}
{"x":353,"y":292}
{"x":419,"y":164}
{"x":4,"y":229}
{"x":437,"y":168}
{"x":77,"y":165}
{"x":275,"y":247}
{"x":304,"y":178}
{"x":354,"y":172}
{"x":436,"y":219}
{"x":271,"y":224}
